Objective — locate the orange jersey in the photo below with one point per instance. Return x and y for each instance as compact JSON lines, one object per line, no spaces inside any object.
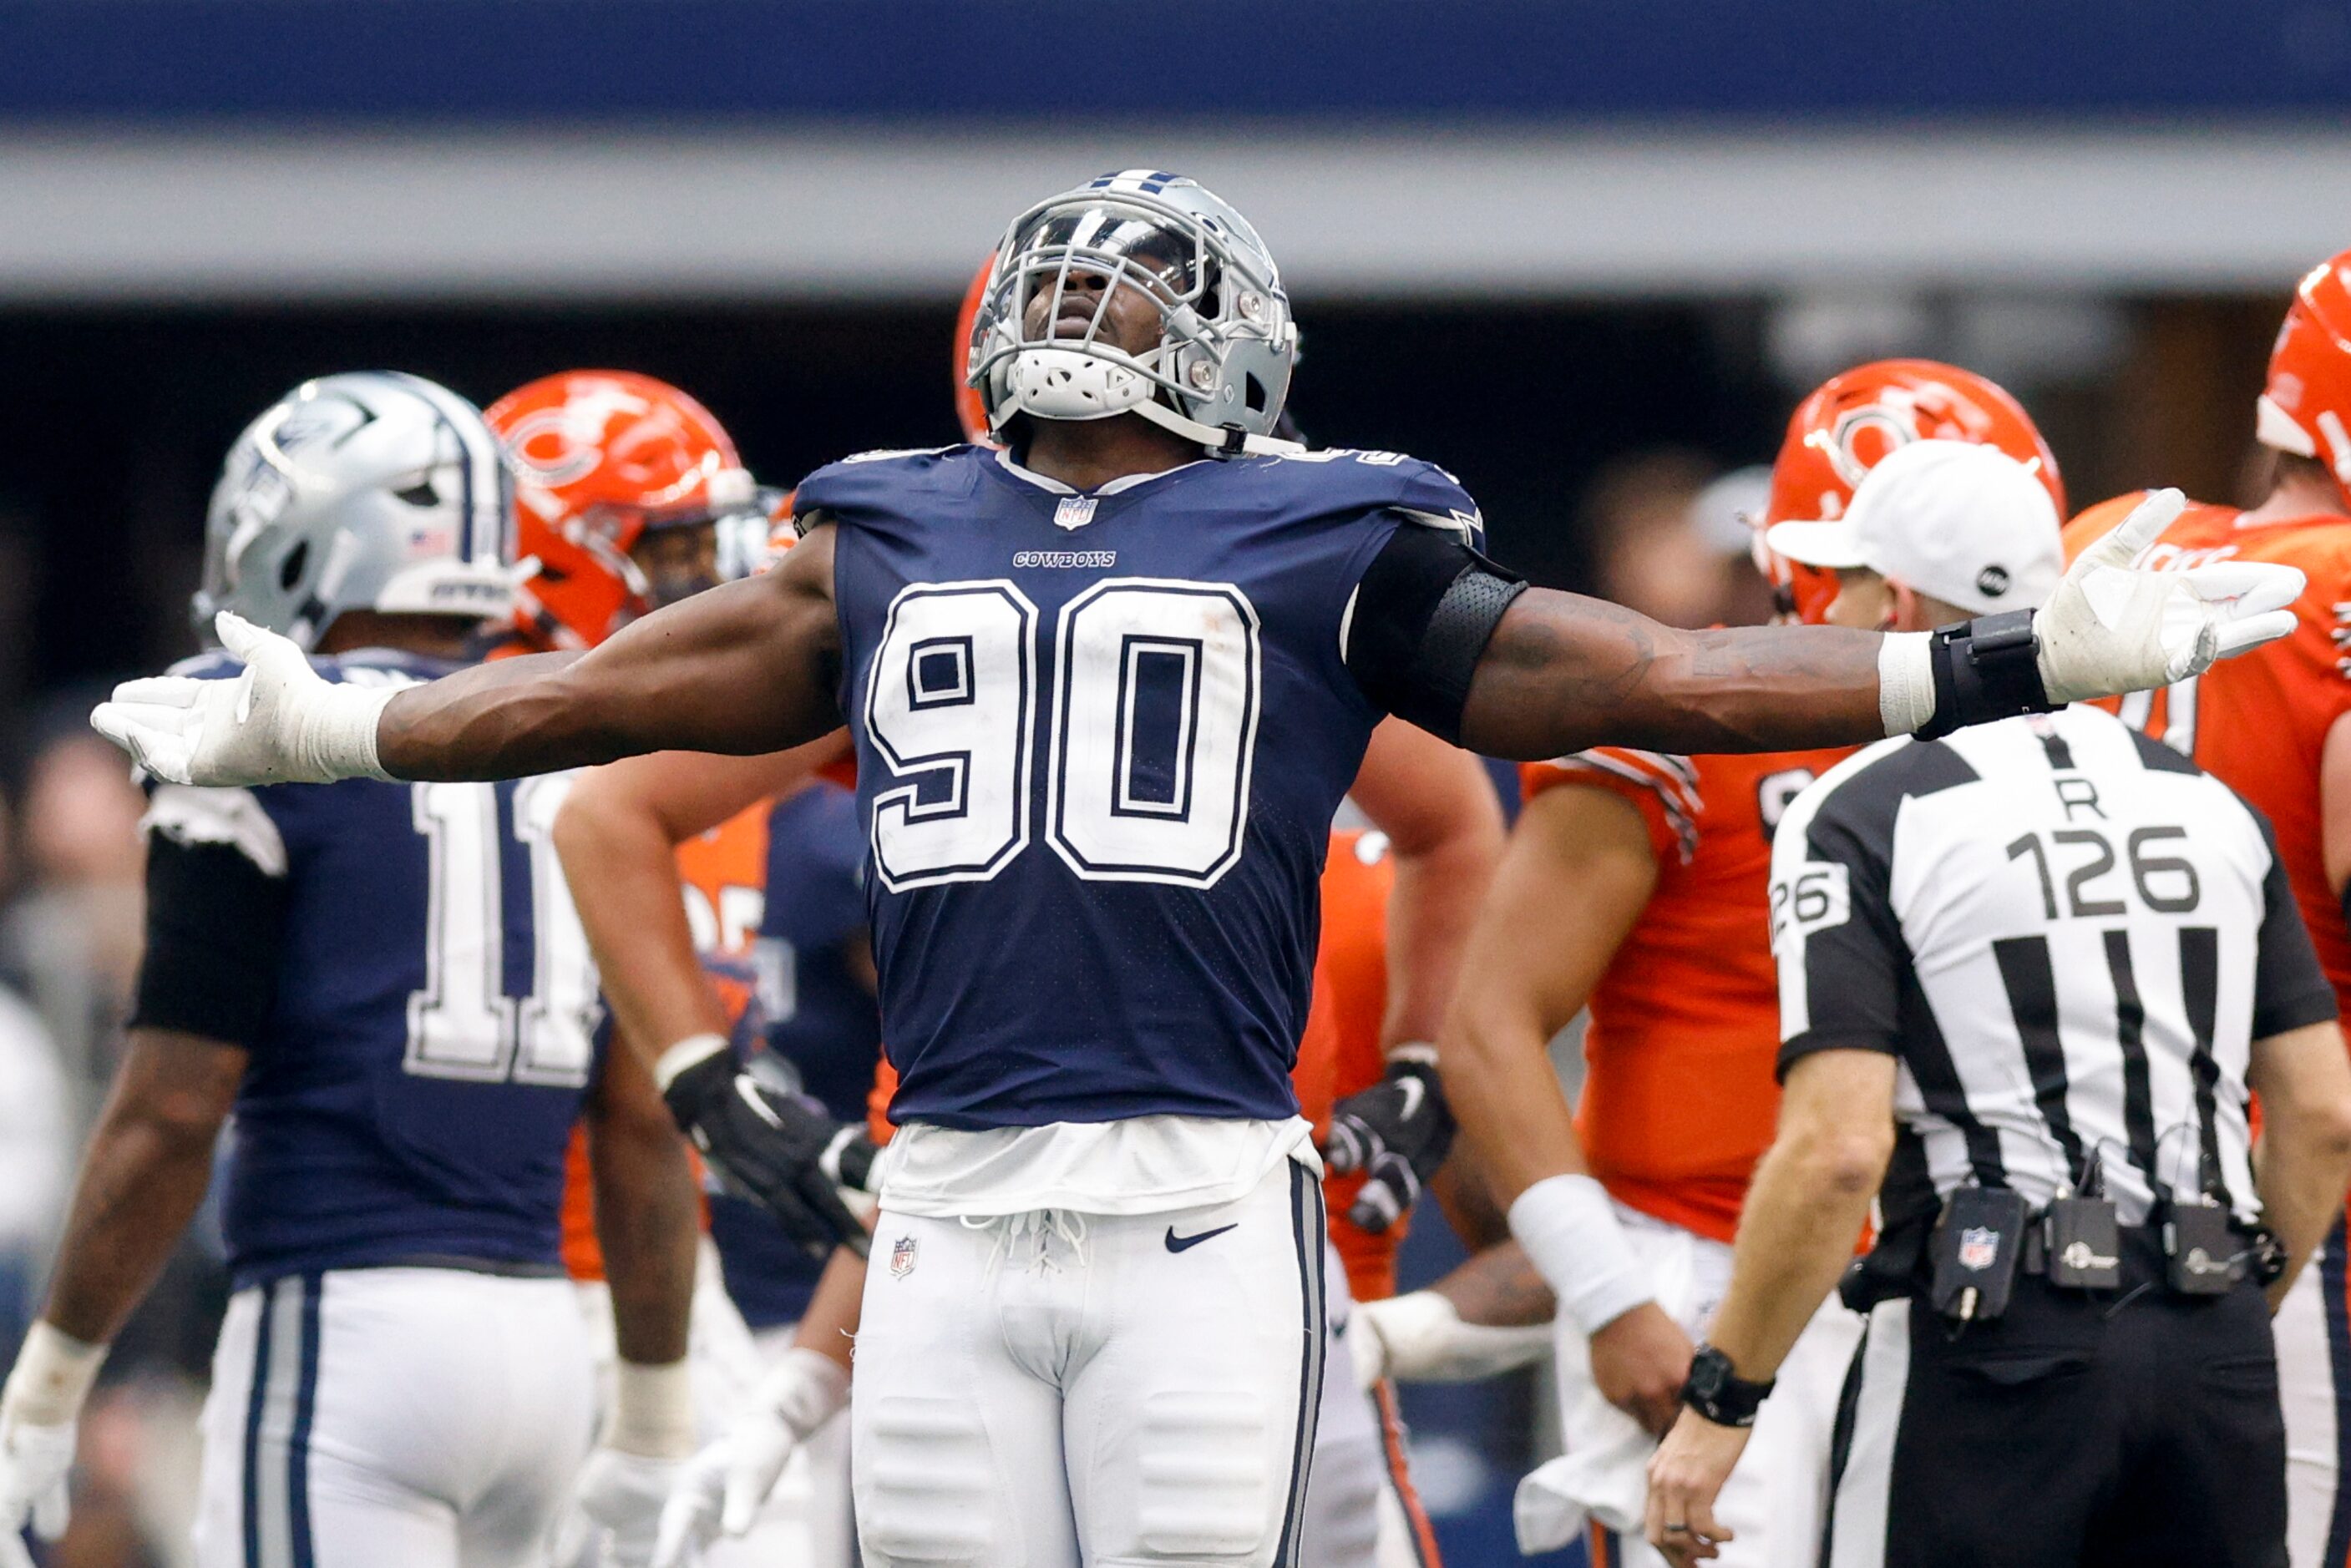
{"x":724,"y":878}
{"x":1351,"y":1002}
{"x":1680,"y":1098}
{"x":2257,"y":722}
{"x":1338,"y":1055}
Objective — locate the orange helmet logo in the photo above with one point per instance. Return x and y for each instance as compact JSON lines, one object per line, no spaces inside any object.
{"x":1854,"y":419}
{"x":599,"y":457}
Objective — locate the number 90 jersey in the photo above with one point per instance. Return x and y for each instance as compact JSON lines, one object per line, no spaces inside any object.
{"x":1101,"y":737}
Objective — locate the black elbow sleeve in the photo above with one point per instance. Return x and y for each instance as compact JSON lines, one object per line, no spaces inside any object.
{"x":1421,"y":618}
{"x":215,"y":923}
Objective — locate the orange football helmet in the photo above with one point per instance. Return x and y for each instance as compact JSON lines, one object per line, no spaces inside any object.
{"x":1851,"y":421}
{"x":601,"y":459}
{"x":2302,"y":409}
{"x":970,"y":408}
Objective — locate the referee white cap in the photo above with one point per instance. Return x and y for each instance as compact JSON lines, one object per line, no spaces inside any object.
{"x":1963,"y":523}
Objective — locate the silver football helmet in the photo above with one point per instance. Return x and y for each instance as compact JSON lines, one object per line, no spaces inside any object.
{"x":370,"y":490}
{"x":1221,"y":369}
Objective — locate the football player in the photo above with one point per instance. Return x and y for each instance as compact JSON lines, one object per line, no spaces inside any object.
{"x":1363,"y":1077}
{"x":386,"y":986}
{"x":629,"y":495}
{"x":2272,"y":729}
{"x":1107,"y":686}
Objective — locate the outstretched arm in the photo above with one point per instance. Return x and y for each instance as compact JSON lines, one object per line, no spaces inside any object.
{"x":1564,"y":672}
{"x":746,"y":667}
{"x":1444,"y":638}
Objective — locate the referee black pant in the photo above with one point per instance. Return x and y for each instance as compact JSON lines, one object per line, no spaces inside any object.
{"x":2062,"y":1435}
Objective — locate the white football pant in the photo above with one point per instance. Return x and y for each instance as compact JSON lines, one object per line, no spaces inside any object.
{"x":410,"y":1418}
{"x":1775,"y":1498}
{"x":1049,"y":1387}
{"x":1361,"y":1510}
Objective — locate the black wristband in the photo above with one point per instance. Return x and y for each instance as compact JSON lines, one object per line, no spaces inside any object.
{"x":1720,"y":1394}
{"x":1985,"y":669}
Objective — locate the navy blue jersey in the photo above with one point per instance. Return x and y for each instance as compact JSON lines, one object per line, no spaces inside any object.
{"x":821,"y":1020}
{"x":1100,"y":740}
{"x":432,"y":1029}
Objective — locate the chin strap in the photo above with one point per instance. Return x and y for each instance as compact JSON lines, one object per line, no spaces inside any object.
{"x":1222,"y":441}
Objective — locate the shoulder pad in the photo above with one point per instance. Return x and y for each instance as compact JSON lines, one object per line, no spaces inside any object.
{"x":882,"y":479}
{"x":1393,"y":482}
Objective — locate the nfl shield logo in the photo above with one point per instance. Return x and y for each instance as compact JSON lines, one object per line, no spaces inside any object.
{"x":1075,"y":512}
{"x":902,"y":1256}
{"x":1979,"y":1248}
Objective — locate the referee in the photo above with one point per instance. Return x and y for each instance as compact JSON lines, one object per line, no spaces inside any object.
{"x":2028,"y":974}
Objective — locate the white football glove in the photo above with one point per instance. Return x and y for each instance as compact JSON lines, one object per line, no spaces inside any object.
{"x":725,"y":1486}
{"x":620,"y":1496}
{"x":34,"y":1460}
{"x":1419,"y":1337}
{"x":2111,"y":629}
{"x":277,"y":723}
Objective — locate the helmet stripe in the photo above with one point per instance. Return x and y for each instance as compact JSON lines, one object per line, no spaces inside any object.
{"x":482,"y":520}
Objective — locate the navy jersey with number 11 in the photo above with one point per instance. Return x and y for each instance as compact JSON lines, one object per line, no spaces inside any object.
{"x":1101,"y":737}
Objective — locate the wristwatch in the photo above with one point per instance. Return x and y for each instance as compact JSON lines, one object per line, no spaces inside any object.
{"x":1720,"y":1395}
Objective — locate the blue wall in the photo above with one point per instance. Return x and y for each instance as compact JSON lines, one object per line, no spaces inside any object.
{"x":916,"y":60}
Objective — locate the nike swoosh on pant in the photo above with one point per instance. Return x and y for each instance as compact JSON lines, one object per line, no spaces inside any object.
{"x":1179,"y":1243}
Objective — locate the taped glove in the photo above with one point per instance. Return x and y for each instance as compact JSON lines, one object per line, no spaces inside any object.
{"x":279,"y":722}
{"x":1397,"y":1133}
{"x":2111,"y":628}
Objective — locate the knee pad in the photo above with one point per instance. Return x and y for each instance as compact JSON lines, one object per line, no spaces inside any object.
{"x":1203,"y":1493}
{"x":926,"y":1482}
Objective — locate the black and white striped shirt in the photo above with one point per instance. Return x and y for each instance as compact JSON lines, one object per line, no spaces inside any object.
{"x":2068,"y":934}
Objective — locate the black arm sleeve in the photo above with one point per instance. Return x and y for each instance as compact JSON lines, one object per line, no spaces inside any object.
{"x":1422,"y":615}
{"x":214,"y":925}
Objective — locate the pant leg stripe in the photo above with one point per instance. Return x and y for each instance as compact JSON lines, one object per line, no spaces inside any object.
{"x":297,"y":1445}
{"x":2333,"y":1287}
{"x":1390,"y":1420}
{"x":253,"y":1404}
{"x":1857,"y":1532}
{"x":1306,"y":1220}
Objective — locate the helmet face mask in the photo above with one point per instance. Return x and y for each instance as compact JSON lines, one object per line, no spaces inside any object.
{"x":370,"y":490}
{"x":1043,"y":342}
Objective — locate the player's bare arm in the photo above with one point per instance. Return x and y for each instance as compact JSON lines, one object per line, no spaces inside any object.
{"x":149,"y":1163}
{"x":746,"y":668}
{"x":1579,"y":871}
{"x":647,"y":1214}
{"x":1444,"y":826}
{"x":1488,"y":1316}
{"x":617,"y":834}
{"x":749,"y":667}
{"x":1564,"y":672}
{"x":1806,"y":1208}
{"x":2302,"y":1163}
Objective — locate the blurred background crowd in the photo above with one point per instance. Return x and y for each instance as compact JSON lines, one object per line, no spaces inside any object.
{"x":1585,"y":256}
